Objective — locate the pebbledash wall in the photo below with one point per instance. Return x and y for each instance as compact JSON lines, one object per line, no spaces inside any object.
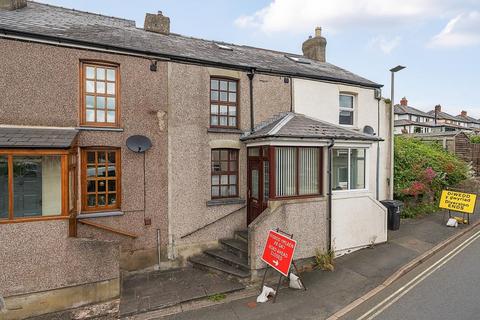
{"x":40,"y":87}
{"x":189,"y":156}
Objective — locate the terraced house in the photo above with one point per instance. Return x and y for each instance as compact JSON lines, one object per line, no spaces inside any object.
{"x":242,"y":140}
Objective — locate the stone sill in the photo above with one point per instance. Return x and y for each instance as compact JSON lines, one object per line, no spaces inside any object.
{"x":85,"y":215}
{"x":226,"y":201}
{"x":99,"y":129}
{"x":224,"y":130}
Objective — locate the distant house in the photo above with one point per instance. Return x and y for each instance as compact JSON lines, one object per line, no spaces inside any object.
{"x":447,"y":122}
{"x":471,"y":122}
{"x":411,"y":120}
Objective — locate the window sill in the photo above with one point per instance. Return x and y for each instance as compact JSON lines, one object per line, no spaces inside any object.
{"x":86,"y":215}
{"x":87,"y":128}
{"x":226,"y":201}
{"x":225,"y":130}
{"x":36,"y":219}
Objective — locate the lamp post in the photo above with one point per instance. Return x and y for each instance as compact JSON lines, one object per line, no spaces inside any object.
{"x":392,"y":123}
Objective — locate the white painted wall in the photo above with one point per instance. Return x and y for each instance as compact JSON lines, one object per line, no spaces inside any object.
{"x":357,"y":217}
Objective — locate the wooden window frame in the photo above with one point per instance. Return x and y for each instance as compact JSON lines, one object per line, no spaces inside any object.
{"x":229,"y":104}
{"x":118,"y":179}
{"x":229,"y":172}
{"x":83,"y":93}
{"x":10,"y":153}
{"x":273,"y":167}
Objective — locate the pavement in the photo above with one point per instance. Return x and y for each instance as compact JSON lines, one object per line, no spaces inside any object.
{"x":444,"y":287}
{"x":329,"y":292}
{"x":154,"y":290}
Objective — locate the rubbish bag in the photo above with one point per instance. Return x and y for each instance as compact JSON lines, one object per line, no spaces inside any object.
{"x":295,"y":282}
{"x":452,"y":223}
{"x":266,"y":291}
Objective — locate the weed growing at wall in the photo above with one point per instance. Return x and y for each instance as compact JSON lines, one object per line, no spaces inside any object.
{"x":422,"y":171}
{"x":474,"y":139}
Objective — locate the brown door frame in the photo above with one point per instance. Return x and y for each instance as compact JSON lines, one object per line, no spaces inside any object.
{"x":258,"y":162}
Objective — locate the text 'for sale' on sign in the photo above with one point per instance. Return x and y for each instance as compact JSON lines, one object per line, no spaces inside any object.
{"x":458,"y":201}
{"x":278,"y":252}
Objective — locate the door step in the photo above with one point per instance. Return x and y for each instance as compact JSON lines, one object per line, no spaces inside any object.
{"x":229,"y":258}
{"x":208,"y":262}
{"x":241,"y":235}
{"x":238,"y":247}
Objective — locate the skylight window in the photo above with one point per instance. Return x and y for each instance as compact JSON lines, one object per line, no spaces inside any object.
{"x":223,"y":47}
{"x":298,"y":59}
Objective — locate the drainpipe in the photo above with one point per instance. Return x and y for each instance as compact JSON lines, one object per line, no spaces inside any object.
{"x":329,"y":208}
{"x":250,"y":75}
{"x":378,"y":151}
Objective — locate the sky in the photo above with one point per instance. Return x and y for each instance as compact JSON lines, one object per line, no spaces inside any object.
{"x":437,"y":40}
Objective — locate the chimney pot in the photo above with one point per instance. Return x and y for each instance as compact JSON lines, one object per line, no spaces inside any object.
{"x":156,"y":23}
{"x":12,"y":4}
{"x":314,"y":48}
{"x":404,"y":102}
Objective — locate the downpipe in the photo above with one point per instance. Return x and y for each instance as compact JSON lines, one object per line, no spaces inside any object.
{"x":329,"y":194}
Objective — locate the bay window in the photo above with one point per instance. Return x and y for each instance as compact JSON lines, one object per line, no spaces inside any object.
{"x":33,"y":184}
{"x":349,"y":168}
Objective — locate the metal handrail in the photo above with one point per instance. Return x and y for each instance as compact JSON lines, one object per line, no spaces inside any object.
{"x":210,"y":223}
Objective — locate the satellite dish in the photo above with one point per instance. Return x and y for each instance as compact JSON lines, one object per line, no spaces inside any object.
{"x":138,"y":143}
{"x":368,"y":130}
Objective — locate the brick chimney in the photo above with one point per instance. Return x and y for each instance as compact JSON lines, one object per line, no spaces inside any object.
{"x":463,"y":113}
{"x":12,"y":4}
{"x":438,"y":108}
{"x":404,"y":102}
{"x":314,"y":48}
{"x":156,"y":23}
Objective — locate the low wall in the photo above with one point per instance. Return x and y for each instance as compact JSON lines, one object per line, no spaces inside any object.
{"x":305,"y":219}
{"x":38,"y":257}
{"x":357,"y":222}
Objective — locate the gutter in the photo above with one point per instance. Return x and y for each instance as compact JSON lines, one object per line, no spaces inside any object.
{"x":250,"y":75}
{"x":330,"y":193}
{"x":57,"y":41}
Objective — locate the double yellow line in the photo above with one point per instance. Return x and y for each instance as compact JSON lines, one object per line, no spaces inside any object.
{"x":387,"y":302}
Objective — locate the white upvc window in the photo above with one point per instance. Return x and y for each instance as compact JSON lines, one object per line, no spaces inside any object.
{"x":349,"y":169}
{"x":347,"y":109}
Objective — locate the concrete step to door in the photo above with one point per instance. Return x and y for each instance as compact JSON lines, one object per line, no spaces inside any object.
{"x":204,"y":261}
{"x":238,"y":247}
{"x":242,"y":235}
{"x":229,"y":258}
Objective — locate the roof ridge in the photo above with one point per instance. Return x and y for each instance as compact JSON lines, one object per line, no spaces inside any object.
{"x":132,"y":22}
{"x":289,"y":116}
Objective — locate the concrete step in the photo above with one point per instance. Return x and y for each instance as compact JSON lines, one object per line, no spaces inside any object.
{"x":204,"y":261}
{"x":241,"y":235}
{"x":229,"y":258}
{"x":238,"y":247}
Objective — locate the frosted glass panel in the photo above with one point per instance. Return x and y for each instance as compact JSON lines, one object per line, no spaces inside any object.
{"x":308,"y":170}
{"x":285,"y":171}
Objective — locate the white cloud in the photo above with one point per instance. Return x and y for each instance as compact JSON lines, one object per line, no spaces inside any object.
{"x":463,"y":30}
{"x":384,"y":44}
{"x":301,"y":15}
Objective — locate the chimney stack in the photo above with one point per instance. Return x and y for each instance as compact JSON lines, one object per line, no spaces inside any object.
{"x":156,"y":23}
{"x":464,"y":113}
{"x":314,"y":48}
{"x":404,"y":102}
{"x":12,"y":4}
{"x":438,"y":108}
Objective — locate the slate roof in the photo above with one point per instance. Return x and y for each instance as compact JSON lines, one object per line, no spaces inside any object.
{"x":467,"y":119}
{"x":49,"y":22}
{"x":294,"y":125}
{"x":405,"y":122}
{"x":443,"y":115}
{"x":30,"y":137}
{"x":399,"y":109}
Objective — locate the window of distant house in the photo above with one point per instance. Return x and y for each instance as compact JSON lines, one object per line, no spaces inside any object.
{"x":223,"y":103}
{"x":33,"y":184}
{"x":100,"y":92}
{"x":346,"y":109}
{"x":100,"y":179}
{"x":297,"y":171}
{"x":224,"y":173}
{"x":349,"y":168}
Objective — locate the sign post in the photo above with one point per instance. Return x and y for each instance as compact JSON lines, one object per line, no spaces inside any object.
{"x":278,"y":254}
{"x":459,"y":202}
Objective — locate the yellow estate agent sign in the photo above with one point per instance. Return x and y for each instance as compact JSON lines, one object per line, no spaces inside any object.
{"x":458,"y":201}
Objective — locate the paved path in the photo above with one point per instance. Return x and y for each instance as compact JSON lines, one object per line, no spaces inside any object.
{"x":446,"y":287}
{"x":328,"y":292}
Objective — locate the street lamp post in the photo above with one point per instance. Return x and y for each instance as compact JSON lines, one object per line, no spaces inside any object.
{"x":392,"y":124}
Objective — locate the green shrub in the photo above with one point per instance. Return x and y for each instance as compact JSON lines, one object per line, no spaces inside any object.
{"x":475,"y":139}
{"x":422,"y":171}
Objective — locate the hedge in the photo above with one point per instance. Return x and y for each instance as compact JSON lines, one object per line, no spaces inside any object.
{"x":422,"y":171}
